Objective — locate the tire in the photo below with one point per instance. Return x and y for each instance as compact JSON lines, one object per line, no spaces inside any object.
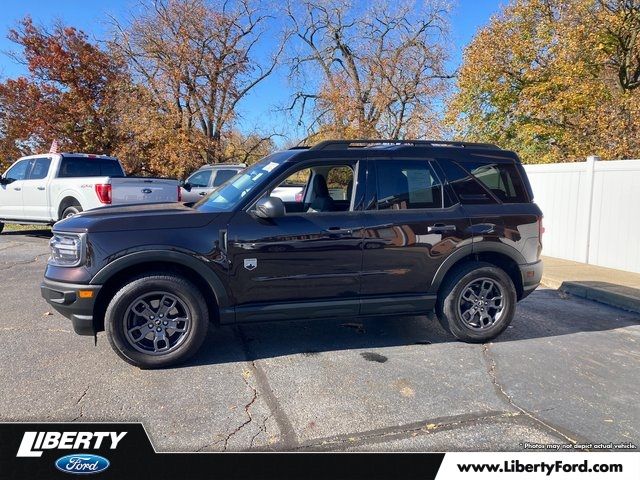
{"x":1,"y":227}
{"x":476,"y":318}
{"x":70,"y":211}
{"x":128,"y":322}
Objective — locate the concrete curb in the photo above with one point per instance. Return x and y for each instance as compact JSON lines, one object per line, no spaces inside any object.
{"x":626,"y":300}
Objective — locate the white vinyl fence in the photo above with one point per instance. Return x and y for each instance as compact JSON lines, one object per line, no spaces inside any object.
{"x":591,"y":211}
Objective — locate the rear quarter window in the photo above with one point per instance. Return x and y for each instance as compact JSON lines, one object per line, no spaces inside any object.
{"x":480,"y":182}
{"x":502,"y":179}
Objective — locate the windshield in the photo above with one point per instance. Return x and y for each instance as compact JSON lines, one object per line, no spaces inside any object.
{"x":230,"y":194}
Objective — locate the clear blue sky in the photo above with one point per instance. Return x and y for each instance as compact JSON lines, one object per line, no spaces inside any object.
{"x":258,"y":110}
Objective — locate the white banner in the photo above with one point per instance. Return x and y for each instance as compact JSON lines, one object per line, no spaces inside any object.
{"x":541,"y":465}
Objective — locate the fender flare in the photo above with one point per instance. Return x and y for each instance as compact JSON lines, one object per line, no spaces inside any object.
{"x":470,"y":249}
{"x":165,"y":256}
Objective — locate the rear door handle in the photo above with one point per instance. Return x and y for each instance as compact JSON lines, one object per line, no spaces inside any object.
{"x":202,"y":194}
{"x":440,"y":228}
{"x":40,"y":188}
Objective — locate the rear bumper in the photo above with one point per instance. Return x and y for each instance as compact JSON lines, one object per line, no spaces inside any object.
{"x":531,"y":276}
{"x":64,"y":298}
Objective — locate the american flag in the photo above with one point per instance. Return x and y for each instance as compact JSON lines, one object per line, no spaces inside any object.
{"x":54,"y":147}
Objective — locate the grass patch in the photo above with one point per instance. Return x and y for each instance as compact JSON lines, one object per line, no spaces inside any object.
{"x":13,"y":227}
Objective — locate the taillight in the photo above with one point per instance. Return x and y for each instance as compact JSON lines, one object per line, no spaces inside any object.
{"x":103,"y":191}
{"x":540,"y":228}
{"x":179,"y":194}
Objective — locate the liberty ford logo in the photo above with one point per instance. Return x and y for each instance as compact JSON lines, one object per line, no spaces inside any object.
{"x":250,"y":263}
{"x":82,"y":463}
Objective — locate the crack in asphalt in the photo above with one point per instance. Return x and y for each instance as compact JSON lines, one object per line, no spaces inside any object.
{"x":26,"y":262}
{"x":491,"y":367}
{"x":289,"y":437}
{"x":247,"y":410}
{"x":423,"y":427}
{"x":78,"y":402}
{"x":263,"y":429}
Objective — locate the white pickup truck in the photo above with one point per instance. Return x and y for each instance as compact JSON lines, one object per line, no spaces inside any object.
{"x":46,"y":188}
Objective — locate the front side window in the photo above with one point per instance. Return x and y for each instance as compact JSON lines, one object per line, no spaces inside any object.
{"x":317,"y":189}
{"x":200,"y":179}
{"x":407,"y":184}
{"x":40,"y":168}
{"x":18,"y":171}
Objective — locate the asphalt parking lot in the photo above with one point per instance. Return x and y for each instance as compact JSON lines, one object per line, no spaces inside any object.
{"x":566,"y":372}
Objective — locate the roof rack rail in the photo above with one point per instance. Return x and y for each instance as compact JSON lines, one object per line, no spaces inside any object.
{"x":345,"y":144}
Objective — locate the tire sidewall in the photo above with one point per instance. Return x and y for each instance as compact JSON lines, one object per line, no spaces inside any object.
{"x":450,"y":305}
{"x":72,"y":209}
{"x":181,"y":288}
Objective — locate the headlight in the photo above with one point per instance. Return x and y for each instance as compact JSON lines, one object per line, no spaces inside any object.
{"x":67,"y":249}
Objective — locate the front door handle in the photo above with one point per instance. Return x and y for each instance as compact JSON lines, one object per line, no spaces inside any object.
{"x":17,"y":189}
{"x":202,"y":194}
{"x":41,"y":188}
{"x":339,"y":231}
{"x":441,"y":228}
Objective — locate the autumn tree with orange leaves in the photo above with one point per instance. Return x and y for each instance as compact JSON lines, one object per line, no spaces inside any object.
{"x":68,"y":95}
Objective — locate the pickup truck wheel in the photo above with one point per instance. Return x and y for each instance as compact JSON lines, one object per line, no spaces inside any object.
{"x":157,"y":320}
{"x":477,"y":302}
{"x":1,"y":227}
{"x":71,"y":211}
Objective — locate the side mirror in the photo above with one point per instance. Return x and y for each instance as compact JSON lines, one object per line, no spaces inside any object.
{"x":270,"y":207}
{"x":186,"y":186}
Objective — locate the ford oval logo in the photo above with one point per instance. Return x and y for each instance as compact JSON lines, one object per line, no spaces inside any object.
{"x":82,"y":463}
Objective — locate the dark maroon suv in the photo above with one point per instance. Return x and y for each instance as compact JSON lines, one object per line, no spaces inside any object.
{"x":381,"y":227}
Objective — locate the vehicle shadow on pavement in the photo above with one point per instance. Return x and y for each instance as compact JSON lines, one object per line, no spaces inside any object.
{"x":35,"y":233}
{"x":547,"y":313}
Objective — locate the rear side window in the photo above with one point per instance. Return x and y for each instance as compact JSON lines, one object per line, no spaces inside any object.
{"x":89,"y":167}
{"x":222,"y":176}
{"x":40,"y":168}
{"x":407,"y":184}
{"x":502,"y":179}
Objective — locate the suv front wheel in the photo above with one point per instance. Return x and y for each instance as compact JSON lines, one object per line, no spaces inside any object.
{"x":477,"y":302}
{"x":157,"y":320}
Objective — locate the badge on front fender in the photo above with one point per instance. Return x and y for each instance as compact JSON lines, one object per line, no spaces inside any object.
{"x":250,"y":263}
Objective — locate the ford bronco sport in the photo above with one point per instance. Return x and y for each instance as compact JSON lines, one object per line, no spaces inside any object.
{"x":381,"y":228}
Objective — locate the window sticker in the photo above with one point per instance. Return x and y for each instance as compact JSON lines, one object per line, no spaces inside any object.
{"x":269,"y":166}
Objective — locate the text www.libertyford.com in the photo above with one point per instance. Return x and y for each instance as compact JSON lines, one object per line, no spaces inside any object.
{"x":515,"y":466}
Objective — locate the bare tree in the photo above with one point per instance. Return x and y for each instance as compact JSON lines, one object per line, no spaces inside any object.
{"x":380,"y":67}
{"x":621,"y":35}
{"x":198,"y":59}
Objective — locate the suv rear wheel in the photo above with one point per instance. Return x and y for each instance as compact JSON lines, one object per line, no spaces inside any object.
{"x":477,"y":302}
{"x":70,"y":211}
{"x":157,"y":320}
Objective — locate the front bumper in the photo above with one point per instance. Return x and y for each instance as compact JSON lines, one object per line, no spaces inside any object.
{"x":531,"y":276}
{"x":65,"y":298}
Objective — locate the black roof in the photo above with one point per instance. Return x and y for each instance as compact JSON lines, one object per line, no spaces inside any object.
{"x":377,"y":148}
{"x":372,"y":143}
